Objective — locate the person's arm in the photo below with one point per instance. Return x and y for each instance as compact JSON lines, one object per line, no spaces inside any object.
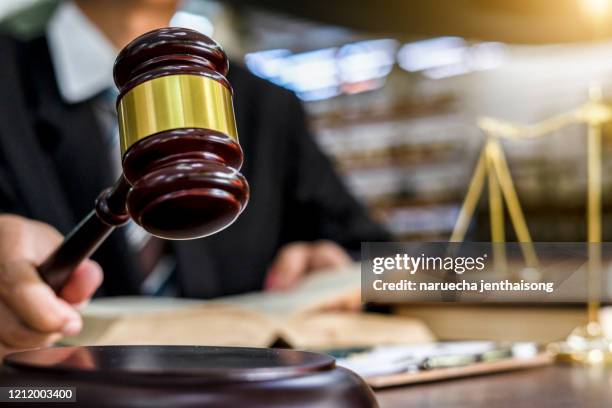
{"x":31,"y":314}
{"x":323,"y":220}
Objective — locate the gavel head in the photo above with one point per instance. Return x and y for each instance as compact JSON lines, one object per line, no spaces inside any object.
{"x":179,"y":144}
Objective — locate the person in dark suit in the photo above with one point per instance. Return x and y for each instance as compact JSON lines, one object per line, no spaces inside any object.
{"x":57,"y":153}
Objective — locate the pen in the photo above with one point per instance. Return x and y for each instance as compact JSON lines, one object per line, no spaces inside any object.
{"x":459,"y":360}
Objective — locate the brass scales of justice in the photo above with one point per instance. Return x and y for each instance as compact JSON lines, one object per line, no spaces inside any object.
{"x":585,"y":344}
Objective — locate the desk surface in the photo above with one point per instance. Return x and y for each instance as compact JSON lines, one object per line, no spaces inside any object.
{"x":558,"y":386}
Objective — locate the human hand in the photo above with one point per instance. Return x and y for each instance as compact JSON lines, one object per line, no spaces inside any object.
{"x":297,"y":259}
{"x":31,"y":314}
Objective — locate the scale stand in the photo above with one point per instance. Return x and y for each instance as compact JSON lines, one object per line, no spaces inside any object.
{"x":585,"y":344}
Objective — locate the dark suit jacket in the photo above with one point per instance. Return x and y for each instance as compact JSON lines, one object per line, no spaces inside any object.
{"x":53,"y":163}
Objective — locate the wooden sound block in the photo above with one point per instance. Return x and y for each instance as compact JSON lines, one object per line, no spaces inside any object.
{"x":189,"y":376}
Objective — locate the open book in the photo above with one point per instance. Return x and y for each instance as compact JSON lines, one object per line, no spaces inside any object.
{"x":295,"y":317}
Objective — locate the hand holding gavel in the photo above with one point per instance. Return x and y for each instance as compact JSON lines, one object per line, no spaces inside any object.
{"x":180,"y":151}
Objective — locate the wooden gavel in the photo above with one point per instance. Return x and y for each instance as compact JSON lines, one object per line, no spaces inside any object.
{"x":179,"y":145}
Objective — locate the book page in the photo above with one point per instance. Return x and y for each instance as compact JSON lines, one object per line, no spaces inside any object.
{"x":208,"y":324}
{"x":346,"y":329}
{"x":316,"y":289}
{"x":253,"y":319}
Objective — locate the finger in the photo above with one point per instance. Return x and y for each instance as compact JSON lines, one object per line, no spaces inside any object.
{"x":82,"y":283}
{"x":290,"y":265}
{"x":328,"y":254}
{"x":34,"y":302}
{"x":13,"y":334}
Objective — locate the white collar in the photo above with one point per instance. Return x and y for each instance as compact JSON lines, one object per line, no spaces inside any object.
{"x":82,"y":56}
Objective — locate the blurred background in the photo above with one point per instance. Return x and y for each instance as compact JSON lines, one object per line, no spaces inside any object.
{"x":394,"y":90}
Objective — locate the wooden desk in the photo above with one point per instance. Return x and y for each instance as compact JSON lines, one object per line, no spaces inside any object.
{"x":559,"y":386}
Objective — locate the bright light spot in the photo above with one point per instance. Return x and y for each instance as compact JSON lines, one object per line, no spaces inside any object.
{"x":363,"y":66}
{"x":267,"y":64}
{"x":325,"y":73}
{"x":194,"y":21}
{"x":309,"y":71}
{"x":436,"y":52}
{"x":486,"y":55}
{"x":595,"y":357}
{"x":366,"y":60}
{"x":449,"y":56}
{"x":596,"y":8}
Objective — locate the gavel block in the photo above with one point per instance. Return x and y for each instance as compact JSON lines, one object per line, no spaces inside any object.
{"x":189,"y":377}
{"x":181,"y":180}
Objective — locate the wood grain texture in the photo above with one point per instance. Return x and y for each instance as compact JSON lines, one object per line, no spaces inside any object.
{"x":559,"y":386}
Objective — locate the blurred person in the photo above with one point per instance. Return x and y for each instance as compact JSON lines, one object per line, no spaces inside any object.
{"x":59,"y":149}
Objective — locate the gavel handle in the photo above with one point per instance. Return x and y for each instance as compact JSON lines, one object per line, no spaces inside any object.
{"x":87,"y":236}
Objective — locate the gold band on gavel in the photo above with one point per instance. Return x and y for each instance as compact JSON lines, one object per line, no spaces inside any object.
{"x":174,"y":102}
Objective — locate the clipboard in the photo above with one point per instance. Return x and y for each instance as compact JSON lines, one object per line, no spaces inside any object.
{"x":475,"y":369}
{"x":388,"y":366}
